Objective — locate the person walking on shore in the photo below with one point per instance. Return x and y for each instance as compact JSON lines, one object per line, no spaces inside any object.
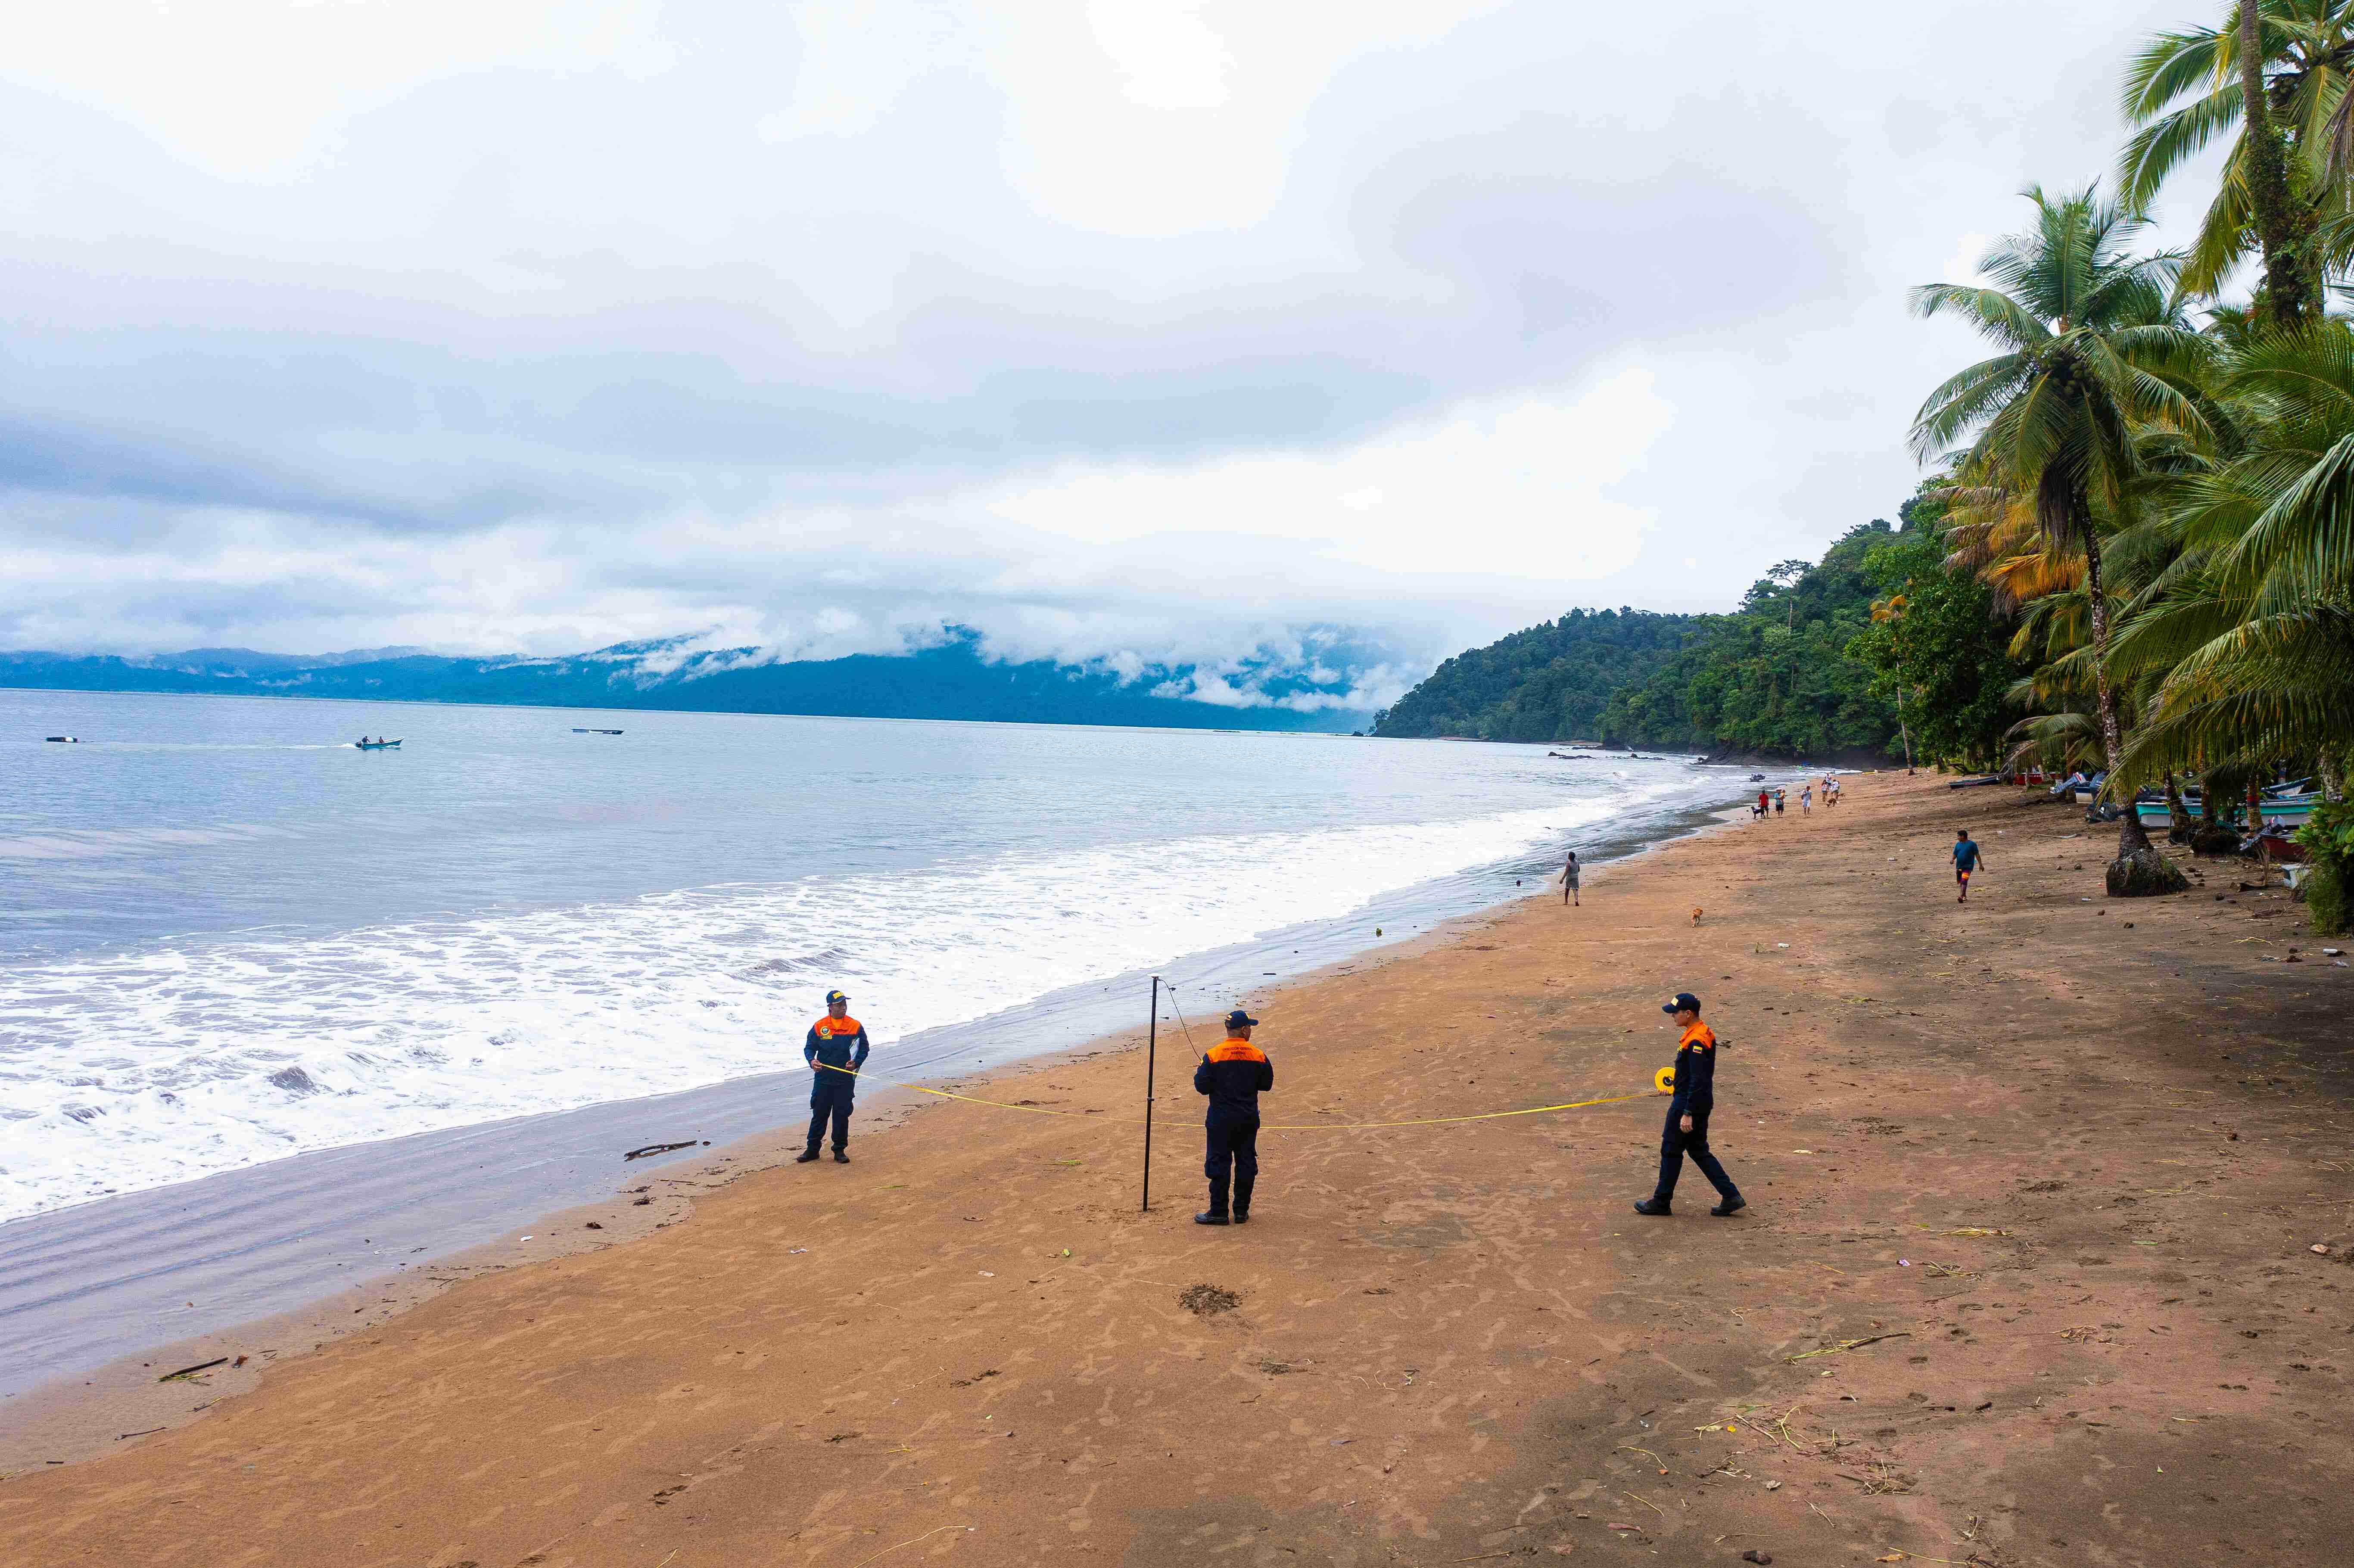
{"x":1687,"y":1128}
{"x":1233,"y":1074}
{"x":835,"y":1050}
{"x":1967,"y":860}
{"x":1807,"y":801}
{"x":1569,"y":880}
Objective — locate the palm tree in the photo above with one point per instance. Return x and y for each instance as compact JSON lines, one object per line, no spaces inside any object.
{"x":2247,"y":642}
{"x":2190,"y":86}
{"x":2093,"y":348}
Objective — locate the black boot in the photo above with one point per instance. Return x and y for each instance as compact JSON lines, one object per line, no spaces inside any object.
{"x":841,"y":1157}
{"x":1730,"y":1206}
{"x":1652,"y":1206}
{"x":805,"y":1157}
{"x":1207,"y":1219}
{"x":1242,"y":1216}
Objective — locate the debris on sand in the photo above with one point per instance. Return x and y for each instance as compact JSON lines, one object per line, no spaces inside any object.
{"x":1207,"y":1300}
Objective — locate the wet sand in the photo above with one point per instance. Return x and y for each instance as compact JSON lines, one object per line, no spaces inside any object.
{"x":2027,"y":1277}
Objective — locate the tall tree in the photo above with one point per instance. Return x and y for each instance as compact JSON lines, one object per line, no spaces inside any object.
{"x":2093,"y":348}
{"x":2247,"y":642}
{"x":2285,"y":280}
{"x":2188,"y":87}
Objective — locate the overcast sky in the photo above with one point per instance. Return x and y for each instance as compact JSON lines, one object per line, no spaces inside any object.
{"x":1113,"y":327}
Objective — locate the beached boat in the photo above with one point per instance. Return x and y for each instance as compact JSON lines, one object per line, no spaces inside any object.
{"x":376,"y":744}
{"x":2290,"y":813}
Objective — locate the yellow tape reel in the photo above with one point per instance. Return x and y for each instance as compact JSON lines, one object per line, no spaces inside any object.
{"x":1664,"y":1080}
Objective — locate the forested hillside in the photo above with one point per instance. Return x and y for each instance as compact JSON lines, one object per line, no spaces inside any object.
{"x":1774,"y":677}
{"x":1802,"y":669}
{"x":1548,"y":682}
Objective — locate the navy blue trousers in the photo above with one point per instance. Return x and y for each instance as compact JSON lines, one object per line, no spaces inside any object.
{"x":1675,"y":1143}
{"x":830,"y":1098}
{"x":1233,"y":1162}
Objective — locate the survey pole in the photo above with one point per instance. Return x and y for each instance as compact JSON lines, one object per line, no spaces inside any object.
{"x":1152,"y":1039}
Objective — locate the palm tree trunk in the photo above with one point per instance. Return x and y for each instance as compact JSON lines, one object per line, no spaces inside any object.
{"x":2285,"y":295}
{"x":2131,"y":839}
{"x":2333,"y":781}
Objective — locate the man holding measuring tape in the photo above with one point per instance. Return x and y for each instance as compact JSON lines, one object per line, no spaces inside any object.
{"x":835,"y":1050}
{"x":1694,"y":1088}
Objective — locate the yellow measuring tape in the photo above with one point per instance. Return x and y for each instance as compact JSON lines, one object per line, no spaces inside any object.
{"x":1264,"y":1126}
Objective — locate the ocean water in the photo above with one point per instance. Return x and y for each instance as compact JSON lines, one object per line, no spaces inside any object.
{"x":227,"y":936}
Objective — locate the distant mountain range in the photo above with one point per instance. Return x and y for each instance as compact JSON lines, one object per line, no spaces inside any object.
{"x":955,"y":680}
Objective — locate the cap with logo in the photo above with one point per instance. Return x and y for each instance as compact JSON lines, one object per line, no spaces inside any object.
{"x":1684,"y":1002}
{"x":833,"y":996}
{"x":1238,"y":1018}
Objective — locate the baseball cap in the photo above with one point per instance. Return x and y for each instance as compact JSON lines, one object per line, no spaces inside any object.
{"x":1683,"y":999}
{"x":1238,"y":1018}
{"x":833,"y":996}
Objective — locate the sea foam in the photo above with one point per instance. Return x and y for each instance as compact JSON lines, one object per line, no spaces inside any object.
{"x":119,"y":1073}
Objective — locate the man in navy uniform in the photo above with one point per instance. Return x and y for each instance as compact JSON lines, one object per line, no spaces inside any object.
{"x":1687,"y":1128}
{"x":1233,"y":1074}
{"x":837,"y":1049}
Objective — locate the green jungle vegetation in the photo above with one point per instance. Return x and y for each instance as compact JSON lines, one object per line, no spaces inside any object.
{"x":1802,"y":670}
{"x":2137,"y":553}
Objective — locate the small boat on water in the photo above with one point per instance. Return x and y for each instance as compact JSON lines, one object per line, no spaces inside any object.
{"x":378,"y":744}
{"x":64,"y":739}
{"x":579,"y":729}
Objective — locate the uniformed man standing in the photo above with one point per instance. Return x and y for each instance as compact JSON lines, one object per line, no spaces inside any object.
{"x":836,"y":1051}
{"x":1233,"y":1074}
{"x":1687,"y":1128}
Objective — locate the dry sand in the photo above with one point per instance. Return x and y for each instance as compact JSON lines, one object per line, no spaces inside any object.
{"x":2070,"y":1167}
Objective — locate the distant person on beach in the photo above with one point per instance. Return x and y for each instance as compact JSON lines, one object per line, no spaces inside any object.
{"x":835,"y":1050}
{"x":1569,"y":880}
{"x":1807,"y":801}
{"x":1687,"y":1128}
{"x":1233,"y":1074}
{"x":1777,"y":801}
{"x":1966,"y":859}
{"x":1757,"y":812}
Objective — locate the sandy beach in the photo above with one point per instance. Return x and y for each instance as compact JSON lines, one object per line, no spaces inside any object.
{"x":2030,"y":1274}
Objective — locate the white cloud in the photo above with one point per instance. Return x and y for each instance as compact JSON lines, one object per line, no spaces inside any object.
{"x":1119,"y":329}
{"x":1525,"y":481}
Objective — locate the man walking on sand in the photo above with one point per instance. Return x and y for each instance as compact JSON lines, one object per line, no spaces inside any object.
{"x":1687,"y":1128}
{"x":1967,"y":860}
{"x":835,"y":1050}
{"x":1569,"y":880}
{"x":1233,"y":1074}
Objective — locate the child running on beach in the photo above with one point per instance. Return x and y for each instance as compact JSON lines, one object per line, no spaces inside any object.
{"x":1966,"y":861}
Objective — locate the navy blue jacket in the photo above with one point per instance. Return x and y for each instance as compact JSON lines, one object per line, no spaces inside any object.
{"x":1233,"y":1074}
{"x":837,"y":1043}
{"x":1695,"y":1092}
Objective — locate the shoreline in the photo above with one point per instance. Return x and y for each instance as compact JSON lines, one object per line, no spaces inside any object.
{"x":2052,"y":1245}
{"x":85,"y":1412}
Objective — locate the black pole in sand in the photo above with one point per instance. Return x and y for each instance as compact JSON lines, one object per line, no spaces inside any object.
{"x":1151,"y":1038}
